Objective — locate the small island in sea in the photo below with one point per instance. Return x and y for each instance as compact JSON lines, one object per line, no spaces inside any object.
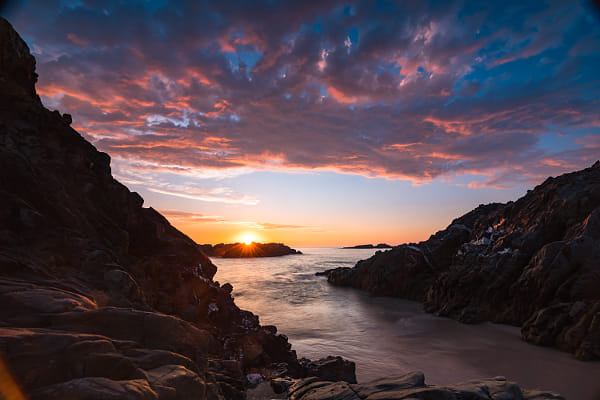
{"x":369,"y":246}
{"x":247,"y":250}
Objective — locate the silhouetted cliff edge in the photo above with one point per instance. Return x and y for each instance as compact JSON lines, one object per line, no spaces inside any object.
{"x":533,"y":263}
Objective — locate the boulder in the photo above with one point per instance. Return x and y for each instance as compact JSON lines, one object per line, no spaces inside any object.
{"x":331,"y":369}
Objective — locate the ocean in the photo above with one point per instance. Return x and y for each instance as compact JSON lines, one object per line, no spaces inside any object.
{"x":387,"y":336}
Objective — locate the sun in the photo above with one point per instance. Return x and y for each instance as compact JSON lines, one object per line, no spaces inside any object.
{"x":248,"y":239}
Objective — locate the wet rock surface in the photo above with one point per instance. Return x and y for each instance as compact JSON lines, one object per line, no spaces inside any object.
{"x":531,"y":263}
{"x":411,"y":386}
{"x":331,"y":369}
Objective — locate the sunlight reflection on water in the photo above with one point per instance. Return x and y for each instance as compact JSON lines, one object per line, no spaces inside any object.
{"x":386,"y":336}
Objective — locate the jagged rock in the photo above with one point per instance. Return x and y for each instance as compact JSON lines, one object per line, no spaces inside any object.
{"x":572,"y":327}
{"x":331,"y":369}
{"x":17,"y":65}
{"x":513,"y":263}
{"x":380,"y":274}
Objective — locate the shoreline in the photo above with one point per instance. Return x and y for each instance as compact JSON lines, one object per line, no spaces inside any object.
{"x":343,"y":321}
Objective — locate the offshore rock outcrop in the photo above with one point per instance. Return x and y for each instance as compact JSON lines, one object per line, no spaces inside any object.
{"x":252,"y":250}
{"x":101,"y":298}
{"x":369,"y":246}
{"x":533,"y":263}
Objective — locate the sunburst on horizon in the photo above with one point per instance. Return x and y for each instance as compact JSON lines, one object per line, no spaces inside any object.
{"x":248,"y":239}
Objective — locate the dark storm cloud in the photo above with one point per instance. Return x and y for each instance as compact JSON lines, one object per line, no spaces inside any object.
{"x":398,"y":89}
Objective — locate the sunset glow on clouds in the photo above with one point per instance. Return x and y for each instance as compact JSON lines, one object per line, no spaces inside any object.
{"x":210,"y":108}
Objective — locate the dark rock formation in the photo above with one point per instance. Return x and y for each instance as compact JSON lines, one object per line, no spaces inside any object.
{"x":242,"y":250}
{"x":531,"y":263}
{"x":331,"y":369}
{"x":369,"y":246}
{"x":101,"y":298}
{"x":411,"y":386}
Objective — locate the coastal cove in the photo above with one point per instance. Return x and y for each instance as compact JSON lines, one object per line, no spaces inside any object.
{"x":387,"y":336}
{"x":156,"y":159}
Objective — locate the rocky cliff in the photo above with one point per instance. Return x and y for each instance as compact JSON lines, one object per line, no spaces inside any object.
{"x":101,"y":298}
{"x":533,"y":263}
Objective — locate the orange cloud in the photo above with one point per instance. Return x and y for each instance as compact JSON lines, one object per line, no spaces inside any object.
{"x":184,"y":217}
{"x":460,"y":127}
{"x":341,"y":97}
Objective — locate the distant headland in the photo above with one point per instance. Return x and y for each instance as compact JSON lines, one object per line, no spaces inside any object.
{"x":243,"y":250}
{"x":369,"y":246}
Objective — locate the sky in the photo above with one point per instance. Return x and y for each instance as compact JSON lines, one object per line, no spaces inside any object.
{"x":323,"y":122}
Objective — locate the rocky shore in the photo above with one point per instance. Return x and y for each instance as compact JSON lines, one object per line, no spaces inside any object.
{"x":101,"y":298}
{"x":242,"y":250}
{"x":531,"y":263}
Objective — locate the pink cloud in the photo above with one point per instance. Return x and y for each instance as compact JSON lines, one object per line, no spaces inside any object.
{"x":591,"y":141}
{"x":170,"y":99}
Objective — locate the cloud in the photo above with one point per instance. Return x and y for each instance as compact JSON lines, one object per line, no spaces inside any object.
{"x":182,"y":182}
{"x":272,"y":226}
{"x":398,"y":90}
{"x":179,"y":217}
{"x":219,"y":195}
{"x":184,"y":217}
{"x":591,"y":141}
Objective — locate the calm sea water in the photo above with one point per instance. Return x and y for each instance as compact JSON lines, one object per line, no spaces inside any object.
{"x":386,"y":336}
